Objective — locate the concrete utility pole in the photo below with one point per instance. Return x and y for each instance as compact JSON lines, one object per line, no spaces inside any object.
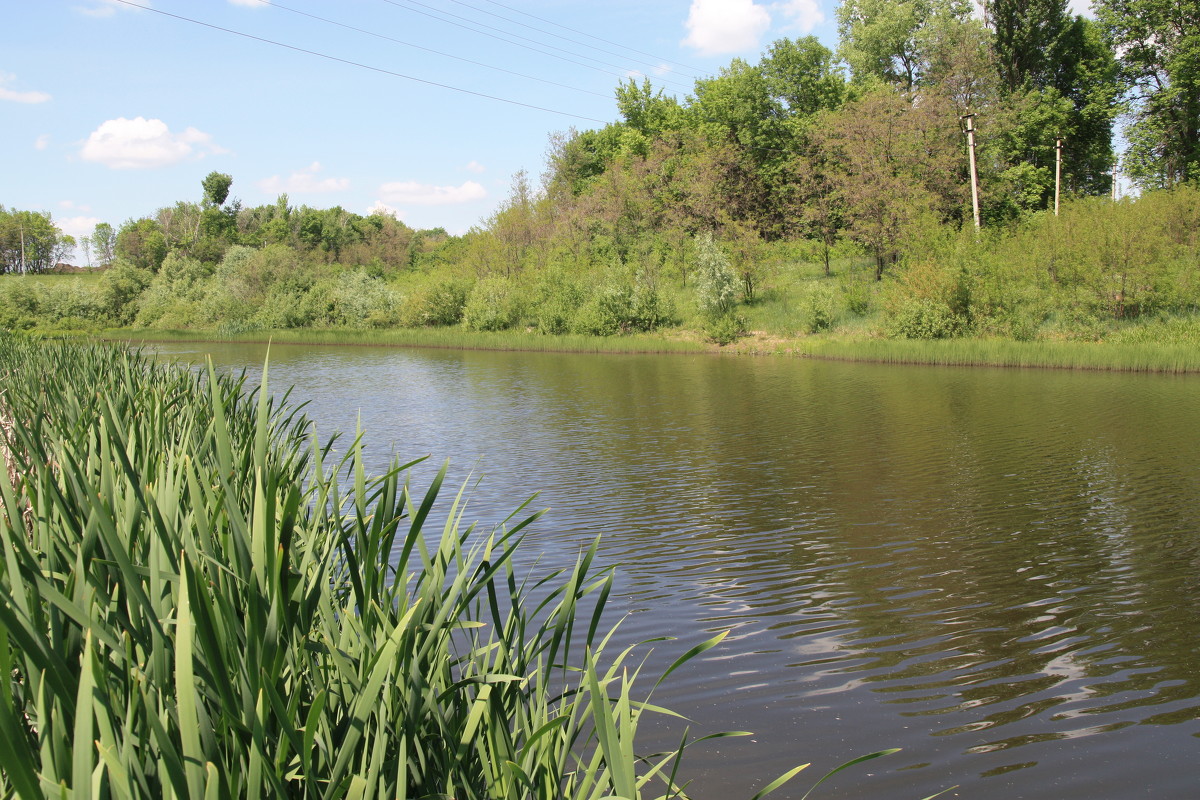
{"x":1057,"y":172}
{"x":1114,"y":188}
{"x":969,"y":119}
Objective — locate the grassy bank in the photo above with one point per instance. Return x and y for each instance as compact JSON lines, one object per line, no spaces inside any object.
{"x":1132,"y":356}
{"x":448,"y":338}
{"x":1175,"y":359}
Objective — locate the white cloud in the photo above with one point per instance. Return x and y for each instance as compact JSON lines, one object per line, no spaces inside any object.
{"x":805,"y":15}
{"x":717,"y":27}
{"x":77,"y":226}
{"x":423,"y":194}
{"x":142,"y":143}
{"x":19,"y":97}
{"x":383,"y":208}
{"x":106,"y":8}
{"x":475,"y":167}
{"x":302,"y":181}
{"x":71,"y":204}
{"x":1083,"y":7}
{"x":41,"y":142}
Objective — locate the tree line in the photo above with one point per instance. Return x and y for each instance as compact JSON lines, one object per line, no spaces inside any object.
{"x":684,"y":209}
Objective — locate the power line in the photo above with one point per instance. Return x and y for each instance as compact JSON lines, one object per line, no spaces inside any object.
{"x":430,"y":49}
{"x":358,"y":64}
{"x":597,"y":38}
{"x":656,"y":64}
{"x":407,"y":7}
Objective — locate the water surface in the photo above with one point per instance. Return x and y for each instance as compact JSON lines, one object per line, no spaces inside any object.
{"x":996,"y":570}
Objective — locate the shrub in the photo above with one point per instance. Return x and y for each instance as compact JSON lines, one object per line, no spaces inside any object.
{"x":492,"y":305}
{"x":120,"y":289}
{"x":439,"y":303}
{"x":716,"y":282}
{"x":725,"y":329}
{"x":924,"y":319}
{"x":819,"y":304}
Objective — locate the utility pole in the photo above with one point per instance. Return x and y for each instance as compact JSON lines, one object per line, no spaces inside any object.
{"x":22,"y":228}
{"x":1114,"y":186}
{"x":1057,"y":172}
{"x":969,"y":119}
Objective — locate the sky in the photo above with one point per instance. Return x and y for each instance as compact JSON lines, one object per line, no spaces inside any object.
{"x":424,"y":109}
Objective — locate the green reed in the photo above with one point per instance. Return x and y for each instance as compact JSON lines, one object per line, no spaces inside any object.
{"x":1140,"y":357}
{"x":196,"y":600}
{"x":446,"y":337}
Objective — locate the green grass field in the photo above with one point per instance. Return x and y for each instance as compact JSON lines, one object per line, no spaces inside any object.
{"x":88,"y":279}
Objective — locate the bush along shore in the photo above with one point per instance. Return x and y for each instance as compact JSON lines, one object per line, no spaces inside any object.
{"x":1102,"y":286}
{"x":197,"y":600}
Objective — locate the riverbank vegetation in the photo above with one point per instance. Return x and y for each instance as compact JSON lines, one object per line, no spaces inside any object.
{"x":814,"y":195}
{"x":198,"y":600}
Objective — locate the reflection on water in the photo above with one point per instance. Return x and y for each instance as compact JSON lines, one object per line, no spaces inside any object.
{"x":996,"y":570}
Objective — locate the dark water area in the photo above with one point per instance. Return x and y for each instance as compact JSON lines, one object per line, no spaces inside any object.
{"x":996,"y":570}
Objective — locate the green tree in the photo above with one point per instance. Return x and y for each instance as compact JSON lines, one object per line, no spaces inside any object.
{"x":30,"y":241}
{"x":216,"y":187}
{"x":1043,"y":53}
{"x":885,"y":39}
{"x":646,"y":111}
{"x":1031,"y":40}
{"x":142,"y":243}
{"x":802,"y":76}
{"x":893,"y":165}
{"x":103,"y":242}
{"x":1159,"y":46}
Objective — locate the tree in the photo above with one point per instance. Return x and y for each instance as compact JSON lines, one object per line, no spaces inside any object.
{"x":1030,"y":40}
{"x":30,"y":241}
{"x":959,"y":64}
{"x":648,"y":112}
{"x":515,"y":224}
{"x":802,"y":76}
{"x":817,"y":205}
{"x":1159,"y":46}
{"x":103,"y":242}
{"x":884,"y":39}
{"x":1045,"y":53}
{"x":737,"y":109}
{"x":142,"y":243}
{"x":216,"y":187}
{"x":892,"y":164}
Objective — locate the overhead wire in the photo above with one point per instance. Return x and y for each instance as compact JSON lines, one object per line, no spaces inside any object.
{"x":651,"y":64}
{"x":378,"y":35}
{"x":406,"y":6}
{"x":597,"y":38}
{"x":357,"y":63}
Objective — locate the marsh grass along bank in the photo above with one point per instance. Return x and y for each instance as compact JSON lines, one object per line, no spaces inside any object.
{"x":1137,"y":354}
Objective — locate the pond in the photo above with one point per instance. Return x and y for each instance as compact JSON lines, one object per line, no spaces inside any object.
{"x":996,"y":570}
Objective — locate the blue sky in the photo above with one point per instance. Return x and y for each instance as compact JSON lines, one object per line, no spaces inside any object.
{"x":110,"y":112}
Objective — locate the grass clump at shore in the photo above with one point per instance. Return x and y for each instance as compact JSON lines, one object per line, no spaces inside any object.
{"x":195,"y":602}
